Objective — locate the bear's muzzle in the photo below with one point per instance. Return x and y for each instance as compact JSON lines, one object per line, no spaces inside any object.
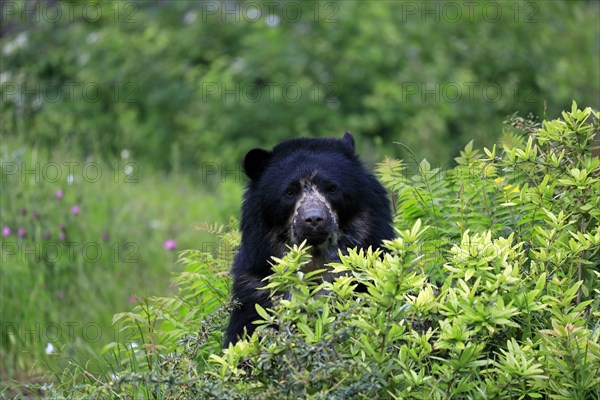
{"x":314,"y":220}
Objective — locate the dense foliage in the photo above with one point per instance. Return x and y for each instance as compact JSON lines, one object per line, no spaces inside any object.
{"x":490,"y":290}
{"x":185,"y":82}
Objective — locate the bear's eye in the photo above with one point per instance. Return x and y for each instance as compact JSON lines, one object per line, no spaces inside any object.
{"x":332,"y":189}
{"x":290,"y":193}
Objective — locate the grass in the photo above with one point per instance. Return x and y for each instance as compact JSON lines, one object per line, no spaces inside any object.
{"x":87,"y":239}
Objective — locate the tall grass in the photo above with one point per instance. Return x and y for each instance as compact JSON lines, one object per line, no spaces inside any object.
{"x":82,"y":238}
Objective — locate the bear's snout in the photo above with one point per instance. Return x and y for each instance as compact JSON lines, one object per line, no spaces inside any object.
{"x":316,"y":226}
{"x":314,"y":221}
{"x":315,"y":218}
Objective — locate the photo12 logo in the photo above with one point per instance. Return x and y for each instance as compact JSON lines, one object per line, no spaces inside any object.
{"x":69,"y":251}
{"x":54,"y":12}
{"x":50,"y":334}
{"x":70,"y":171}
{"x":453,"y":92}
{"x":469,"y":11}
{"x":270,"y":12}
{"x":68,"y":92}
{"x":271,"y":92}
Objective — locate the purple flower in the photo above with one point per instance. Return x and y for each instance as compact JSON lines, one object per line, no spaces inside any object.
{"x":105,"y":236}
{"x":21,"y":232}
{"x":34,"y":215}
{"x":62,"y":236}
{"x":23,"y":211}
{"x":6,"y":231}
{"x":59,"y":194}
{"x":46,"y":235}
{"x":75,"y":210}
{"x":170,"y":244}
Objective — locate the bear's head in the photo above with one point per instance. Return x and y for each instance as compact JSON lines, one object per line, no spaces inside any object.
{"x":314,"y":190}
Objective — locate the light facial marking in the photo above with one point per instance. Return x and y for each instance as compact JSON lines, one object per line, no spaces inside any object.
{"x":328,"y":251}
{"x":308,"y":190}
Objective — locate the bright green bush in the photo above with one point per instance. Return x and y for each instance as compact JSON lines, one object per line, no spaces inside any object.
{"x":490,"y":290}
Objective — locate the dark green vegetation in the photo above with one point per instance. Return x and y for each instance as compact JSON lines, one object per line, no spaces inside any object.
{"x":491,"y":290}
{"x":181,"y":83}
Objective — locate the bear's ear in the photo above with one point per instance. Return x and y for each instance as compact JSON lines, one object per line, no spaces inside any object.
{"x":255,"y":162}
{"x":348,"y":141}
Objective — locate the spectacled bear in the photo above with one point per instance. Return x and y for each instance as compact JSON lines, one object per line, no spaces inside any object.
{"x":313,"y":189}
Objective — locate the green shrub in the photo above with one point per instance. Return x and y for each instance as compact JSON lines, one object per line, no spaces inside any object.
{"x":490,"y":290}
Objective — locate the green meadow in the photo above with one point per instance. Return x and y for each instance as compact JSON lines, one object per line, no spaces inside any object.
{"x":83,"y":238}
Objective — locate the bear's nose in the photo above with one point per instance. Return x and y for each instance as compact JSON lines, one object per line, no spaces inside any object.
{"x":316,"y":219}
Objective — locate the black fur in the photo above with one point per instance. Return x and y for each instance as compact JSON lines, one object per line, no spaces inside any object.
{"x":297,"y":183}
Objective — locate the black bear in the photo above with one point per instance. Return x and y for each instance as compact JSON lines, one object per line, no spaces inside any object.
{"x":304,"y":189}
